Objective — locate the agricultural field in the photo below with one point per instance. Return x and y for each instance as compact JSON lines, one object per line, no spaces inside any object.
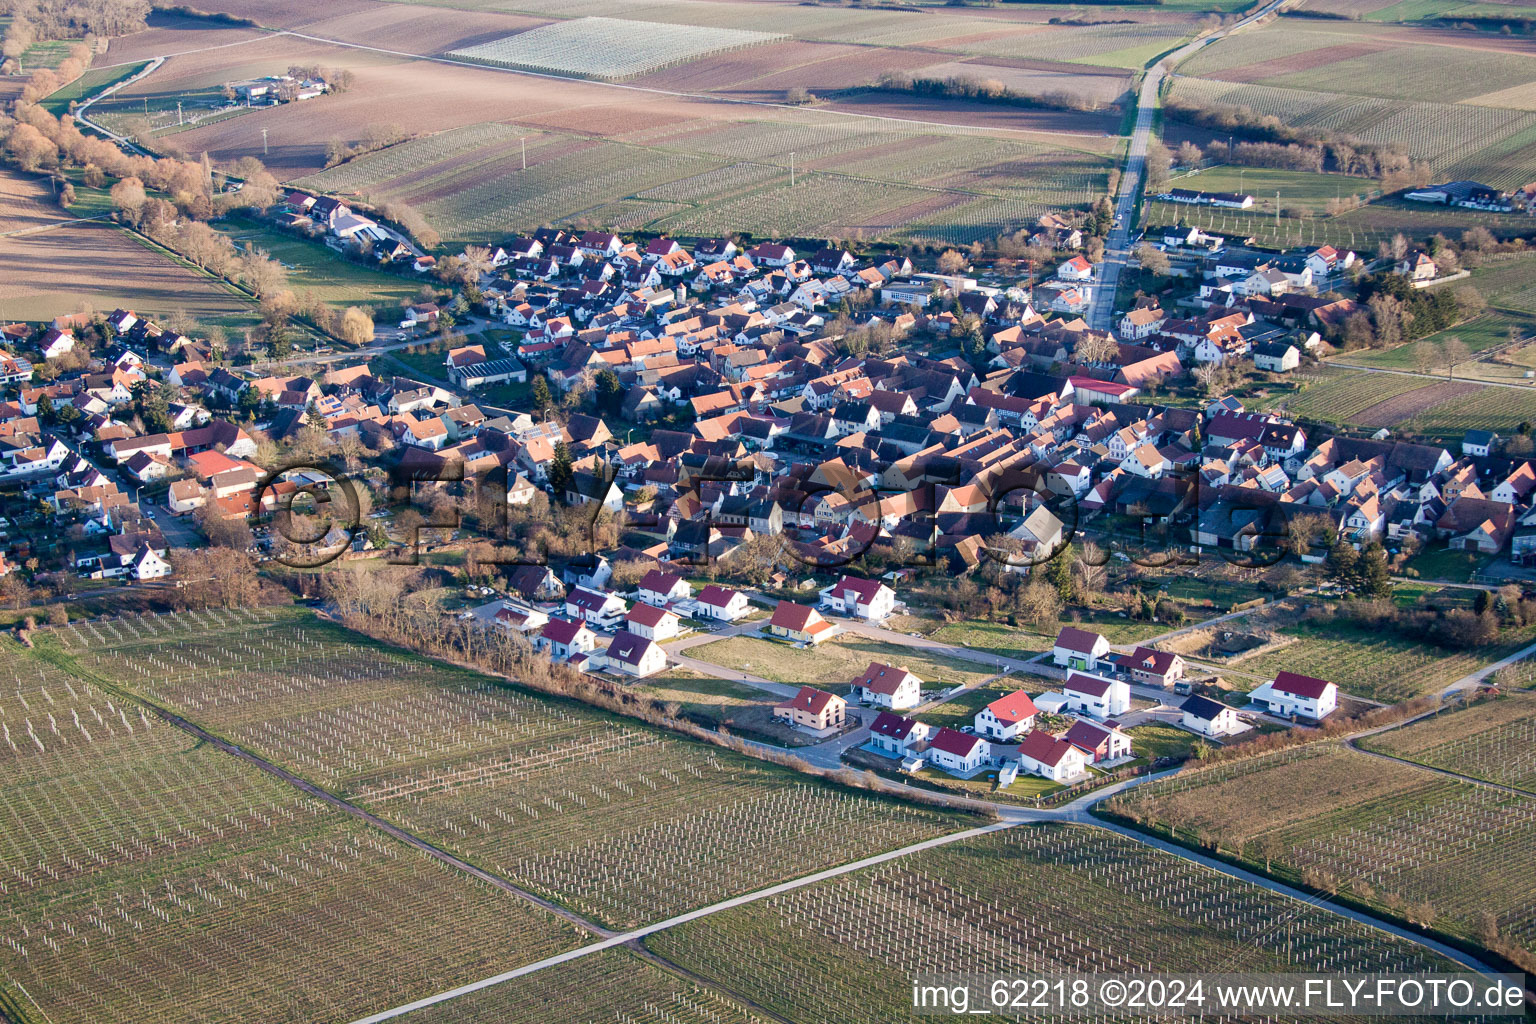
{"x":1296,"y":189}
{"x":57,"y":265}
{"x":1391,"y":834}
{"x":854,"y":180}
{"x":1341,"y":398}
{"x":620,"y":823}
{"x":1491,"y":408}
{"x":1489,"y":143}
{"x":88,"y":84}
{"x":834,"y":663}
{"x":1494,"y":740}
{"x":1376,"y":665}
{"x":608,"y":48}
{"x":1508,"y":282}
{"x":614,"y":985}
{"x":152,"y":878}
{"x":1028,"y":899}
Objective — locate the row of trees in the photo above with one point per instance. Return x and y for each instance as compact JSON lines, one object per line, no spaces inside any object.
{"x":983,"y":90}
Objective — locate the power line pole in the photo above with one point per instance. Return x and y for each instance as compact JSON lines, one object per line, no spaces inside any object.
{"x":524,"y":141}
{"x":264,"y":150}
{"x":791,"y":170}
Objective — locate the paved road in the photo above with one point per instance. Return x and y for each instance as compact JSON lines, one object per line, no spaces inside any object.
{"x":1116,"y":247}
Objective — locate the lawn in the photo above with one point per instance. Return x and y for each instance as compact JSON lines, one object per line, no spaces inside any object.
{"x":992,"y":637}
{"x":1159,"y":739}
{"x":700,"y":693}
{"x":1428,"y":354}
{"x":313,"y":267}
{"x":961,"y":711}
{"x":835,"y":663}
{"x":1297,"y":189}
{"x":1441,"y":563}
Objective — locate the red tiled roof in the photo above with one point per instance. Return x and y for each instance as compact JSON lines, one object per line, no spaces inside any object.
{"x":648,"y":615}
{"x":882,"y":678}
{"x":1016,"y":707}
{"x":1044,"y":747}
{"x":1074,"y":639}
{"x":809,"y":699}
{"x":958,"y":743}
{"x":1301,"y":686}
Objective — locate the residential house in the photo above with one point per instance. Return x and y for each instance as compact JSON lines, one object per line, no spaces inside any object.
{"x":812,"y":710}
{"x":1100,"y":743}
{"x":663,"y":588}
{"x":722,"y":603}
{"x":633,"y":655}
{"x":1152,"y":667}
{"x":1050,"y":757}
{"x":888,"y":687}
{"x":1079,"y":649}
{"x":1092,"y":695}
{"x":958,"y":753}
{"x":652,"y":622}
{"x":1291,"y":695}
{"x":798,"y":623}
{"x":864,"y":599}
{"x":1006,"y":718}
{"x":564,"y":639}
{"x":892,"y":734}
{"x":1209,"y":717}
{"x":597,"y":608}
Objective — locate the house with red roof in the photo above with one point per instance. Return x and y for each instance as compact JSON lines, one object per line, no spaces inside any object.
{"x":563,"y":638}
{"x":651,"y":622}
{"x":812,"y":710}
{"x":1099,"y":742}
{"x":1007,"y":717}
{"x":958,"y":753}
{"x":662,"y":588}
{"x":1075,"y":269}
{"x":894,"y":735}
{"x":1051,"y":757}
{"x":722,"y":603}
{"x":864,"y":599}
{"x":1079,"y":649}
{"x":633,"y":655}
{"x":1152,"y":667}
{"x":888,"y":687}
{"x":1291,"y":695}
{"x":801,"y":624}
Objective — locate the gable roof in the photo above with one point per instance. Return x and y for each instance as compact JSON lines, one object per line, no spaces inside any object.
{"x":648,"y":615}
{"x":883,"y":678}
{"x":628,"y":648}
{"x":1017,"y":707}
{"x":716,"y":596}
{"x":888,"y":723}
{"x":958,"y":743}
{"x":1203,"y":707}
{"x":1045,"y":748}
{"x":1087,"y":684}
{"x":809,"y":699}
{"x":1300,"y":685}
{"x":1080,"y":640}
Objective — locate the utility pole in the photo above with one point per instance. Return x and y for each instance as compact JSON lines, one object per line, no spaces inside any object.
{"x":524,"y":141}
{"x":179,"y":119}
{"x":264,"y":150}
{"x":791,"y":170}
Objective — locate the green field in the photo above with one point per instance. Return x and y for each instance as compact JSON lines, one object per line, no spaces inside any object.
{"x":1479,"y":334}
{"x":1493,"y":740}
{"x":313,"y":267}
{"x":1490,"y":408}
{"x":88,"y":84}
{"x":1380,"y":666}
{"x":1296,"y":188}
{"x":1339,"y":398}
{"x":961,"y":711}
{"x":621,"y":823}
{"x":1022,"y":901}
{"x":1390,"y":834}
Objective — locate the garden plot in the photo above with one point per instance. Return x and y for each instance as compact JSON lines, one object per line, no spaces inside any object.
{"x":609,"y":48}
{"x":1027,"y":900}
{"x":1391,"y":834}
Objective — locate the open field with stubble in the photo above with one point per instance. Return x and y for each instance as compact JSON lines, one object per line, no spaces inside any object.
{"x":833,"y":663}
{"x":1030,"y":899}
{"x":1389,"y":833}
{"x":619,"y":822}
{"x":150,"y":878}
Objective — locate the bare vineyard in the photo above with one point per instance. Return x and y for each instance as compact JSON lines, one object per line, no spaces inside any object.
{"x":1495,"y":740}
{"x":620,"y":823}
{"x":612,"y":987}
{"x":1409,"y":844}
{"x":609,"y":48}
{"x":1028,"y":899}
{"x":146,"y":878}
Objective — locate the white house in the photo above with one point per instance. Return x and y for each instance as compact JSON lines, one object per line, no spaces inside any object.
{"x":1079,"y":649}
{"x":1101,"y":698}
{"x":597,"y":607}
{"x":1075,"y":269}
{"x":722,"y":603}
{"x":1296,"y":696}
{"x":148,"y":564}
{"x":564,"y":638}
{"x":633,"y":655}
{"x":891,"y":734}
{"x":1276,"y":357}
{"x":864,"y":599}
{"x":1209,"y":717}
{"x":662,"y":588}
{"x":1005,"y":718}
{"x":958,"y":753}
{"x":518,"y":619}
{"x":1049,"y":757}
{"x":1100,"y":743}
{"x":888,"y":687}
{"x":652,"y":623}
